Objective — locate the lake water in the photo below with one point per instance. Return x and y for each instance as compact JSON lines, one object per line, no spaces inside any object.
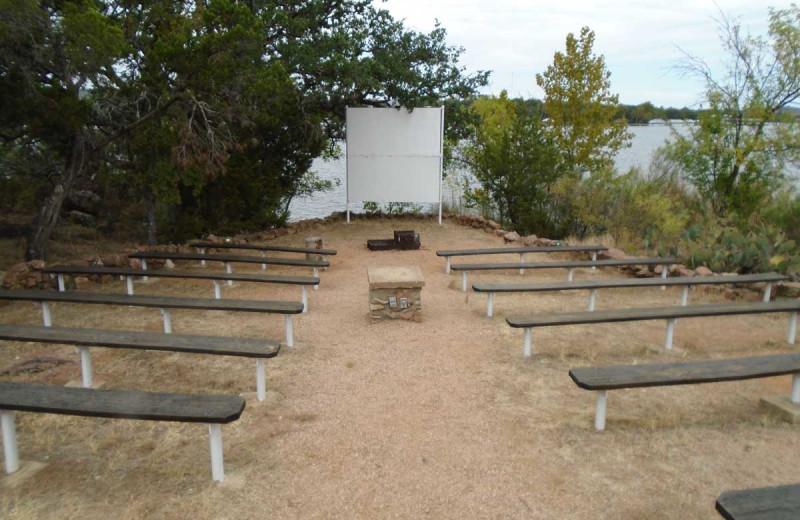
{"x":646,"y":139}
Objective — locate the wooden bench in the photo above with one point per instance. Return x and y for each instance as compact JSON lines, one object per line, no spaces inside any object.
{"x":603,"y":379}
{"x":771,"y":503}
{"x":227,"y":260}
{"x":570,"y":265}
{"x":521,"y":251}
{"x":214,"y":410}
{"x":165,"y":303}
{"x":259,"y":349}
{"x":670,"y":314}
{"x":203,"y":246}
{"x":593,"y":285}
{"x":129,"y":274}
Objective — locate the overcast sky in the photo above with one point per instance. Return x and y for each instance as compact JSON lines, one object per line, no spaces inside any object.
{"x":516,"y":39}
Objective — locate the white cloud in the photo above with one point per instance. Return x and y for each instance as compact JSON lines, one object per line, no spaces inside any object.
{"x":639,"y":38}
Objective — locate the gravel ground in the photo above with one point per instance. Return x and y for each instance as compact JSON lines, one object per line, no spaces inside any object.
{"x":438,"y":419}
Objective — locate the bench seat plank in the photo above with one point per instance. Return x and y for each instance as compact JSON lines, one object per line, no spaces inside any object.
{"x":252,"y":247}
{"x":626,"y":282}
{"x":651,"y":313}
{"x":120,"y":404}
{"x":666,"y":374}
{"x":171,"y":273}
{"x":161,"y":302}
{"x":511,"y":250}
{"x":771,"y":503}
{"x":241,"y":347}
{"x":246,"y":259}
{"x":572,"y":264}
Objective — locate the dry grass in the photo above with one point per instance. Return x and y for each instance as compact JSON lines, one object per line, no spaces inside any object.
{"x":439,"y":419}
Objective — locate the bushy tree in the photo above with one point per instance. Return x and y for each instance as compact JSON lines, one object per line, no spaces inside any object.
{"x":580,"y":106}
{"x":736,"y":155}
{"x":515,"y":161}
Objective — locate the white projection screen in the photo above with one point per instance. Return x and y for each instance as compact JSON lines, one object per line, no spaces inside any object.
{"x":394,"y":155}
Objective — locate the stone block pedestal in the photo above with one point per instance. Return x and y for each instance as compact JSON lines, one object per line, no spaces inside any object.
{"x":395,"y":292}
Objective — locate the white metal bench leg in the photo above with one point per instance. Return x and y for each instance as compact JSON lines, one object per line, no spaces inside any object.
{"x":86,"y":367}
{"x":263,"y":255}
{"x":47,"y":318}
{"x":685,"y":296}
{"x":464,"y":281}
{"x":10,"y":452}
{"x":61,"y":285}
{"x":215,"y":442}
{"x":526,"y":348}
{"x":217,"y":290}
{"x":795,"y":398}
{"x":594,"y":259}
{"x":261,"y":380}
{"x":202,"y":252}
{"x":305,"y":299}
{"x":570,"y":274}
{"x":229,"y":270}
{"x":316,"y":275}
{"x":289,"y":331}
{"x":792,"y":336}
{"x":664,"y":269}
{"x":447,"y":266}
{"x":129,"y":285}
{"x":167,"y":321}
{"x":521,"y":261}
{"x":490,"y":305}
{"x":600,"y":414}
{"x":768,"y":292}
{"x":670,"y":333}
{"x":144,"y":268}
{"x":592,"y":296}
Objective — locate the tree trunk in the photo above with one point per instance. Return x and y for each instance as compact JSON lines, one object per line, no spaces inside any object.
{"x":150,"y":209}
{"x":47,"y":217}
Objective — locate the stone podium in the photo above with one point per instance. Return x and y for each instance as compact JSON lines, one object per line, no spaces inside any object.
{"x":395,"y":292}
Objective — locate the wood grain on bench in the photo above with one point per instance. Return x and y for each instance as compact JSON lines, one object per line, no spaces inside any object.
{"x":627,"y":282}
{"x":120,"y":404}
{"x":521,"y":250}
{"x":770,"y":503}
{"x":171,"y":273}
{"x":161,"y":302}
{"x":651,"y":313}
{"x":246,"y":259}
{"x":240,"y":347}
{"x":666,"y":374}
{"x":283,"y":249}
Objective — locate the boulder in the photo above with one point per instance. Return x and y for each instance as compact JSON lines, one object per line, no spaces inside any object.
{"x":492,"y":224}
{"x":81,"y":218}
{"x":704,"y":271}
{"x":644,"y":272}
{"x":83,"y":201}
{"x":788,"y":290}
{"x":169,"y":264}
{"x":681,"y":270}
{"x":36,"y":264}
{"x":529,"y":240}
{"x":511,"y":236}
{"x":612,"y":254}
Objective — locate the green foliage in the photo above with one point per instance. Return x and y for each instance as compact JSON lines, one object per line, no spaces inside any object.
{"x":723,"y":247}
{"x":735,"y":156}
{"x":515,"y":161}
{"x":581,"y":108}
{"x":638,"y":213}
